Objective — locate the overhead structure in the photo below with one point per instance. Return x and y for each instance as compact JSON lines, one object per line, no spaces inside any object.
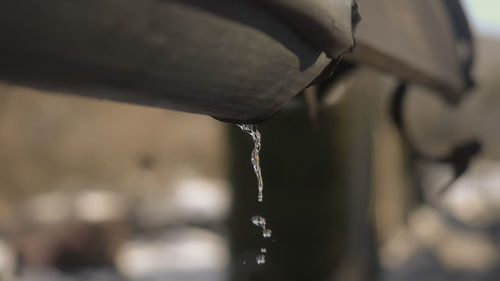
{"x":237,"y":60}
{"x":424,"y":41}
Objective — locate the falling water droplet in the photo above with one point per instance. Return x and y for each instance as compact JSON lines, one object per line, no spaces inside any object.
{"x":261,"y":259}
{"x":259,"y":221}
{"x":251,"y":129}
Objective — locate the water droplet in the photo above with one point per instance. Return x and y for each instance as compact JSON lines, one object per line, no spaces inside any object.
{"x":261,"y":259}
{"x":259,"y":221}
{"x":263,"y":250}
{"x":244,"y":262}
{"x":266,"y":233}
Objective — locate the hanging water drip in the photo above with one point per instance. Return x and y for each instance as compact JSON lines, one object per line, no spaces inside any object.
{"x":251,"y":129}
{"x":258,"y":221}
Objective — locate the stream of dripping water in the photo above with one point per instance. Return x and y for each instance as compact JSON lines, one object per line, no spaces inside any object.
{"x":258,"y":221}
{"x":256,"y":137}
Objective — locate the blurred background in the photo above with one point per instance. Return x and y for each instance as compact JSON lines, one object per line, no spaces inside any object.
{"x":98,"y":190}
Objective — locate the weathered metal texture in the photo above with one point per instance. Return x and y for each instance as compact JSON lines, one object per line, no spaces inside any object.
{"x":328,"y":24}
{"x":423,"y":41}
{"x":236,"y":60}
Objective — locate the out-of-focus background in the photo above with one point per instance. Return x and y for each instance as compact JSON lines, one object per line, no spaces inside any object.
{"x":98,"y":190}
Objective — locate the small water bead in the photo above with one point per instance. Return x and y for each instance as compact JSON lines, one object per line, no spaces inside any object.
{"x":266,"y":233}
{"x":263,"y":250}
{"x":259,"y":221}
{"x":261,"y":259}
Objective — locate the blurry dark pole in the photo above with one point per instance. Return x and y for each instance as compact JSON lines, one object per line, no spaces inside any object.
{"x":316,"y":197}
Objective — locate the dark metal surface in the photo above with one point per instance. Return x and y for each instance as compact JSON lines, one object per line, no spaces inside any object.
{"x":231,"y":59}
{"x":424,"y":41}
{"x":237,"y":60}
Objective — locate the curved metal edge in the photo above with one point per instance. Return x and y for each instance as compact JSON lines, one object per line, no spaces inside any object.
{"x":327,"y":24}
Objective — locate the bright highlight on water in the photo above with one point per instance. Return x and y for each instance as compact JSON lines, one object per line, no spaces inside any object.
{"x":251,"y":129}
{"x":261,"y":222}
{"x":261,"y":259}
{"x":258,"y":221}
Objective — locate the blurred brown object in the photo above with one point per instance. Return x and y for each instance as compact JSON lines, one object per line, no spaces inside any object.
{"x":69,"y":246}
